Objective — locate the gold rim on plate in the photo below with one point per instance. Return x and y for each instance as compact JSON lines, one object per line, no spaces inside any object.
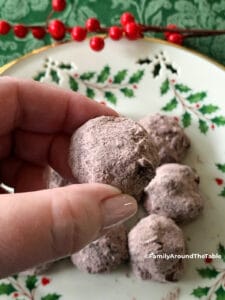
{"x":9,"y":65}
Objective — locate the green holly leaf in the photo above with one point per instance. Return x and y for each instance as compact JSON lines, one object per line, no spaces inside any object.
{"x":222,"y":193}
{"x":182,"y":88}
{"x":156,"y":70}
{"x":200,"y":292}
{"x":51,"y":297}
{"x":120,"y":76}
{"x":171,"y":105}
{"x":208,"y":109}
{"x":221,"y":167}
{"x":73,"y":84}
{"x":203,"y":126}
{"x":221,"y":249}
{"x":127,"y":92}
{"x":90,"y":93}
{"x":110,"y":97}
{"x":208,"y":272}
{"x":87,"y":75}
{"x":65,"y":66}
{"x":54,"y":75}
{"x":220,"y":293}
{"x":186,"y":119}
{"x":39,"y":75}
{"x":164,"y":87}
{"x":171,"y":68}
{"x":136,"y":77}
{"x":194,"y":98}
{"x":219,"y":121}
{"x":31,"y":282}
{"x":6,"y":289}
{"x":104,"y":74}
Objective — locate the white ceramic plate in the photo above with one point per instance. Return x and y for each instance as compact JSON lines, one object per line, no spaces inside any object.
{"x":139,"y":78}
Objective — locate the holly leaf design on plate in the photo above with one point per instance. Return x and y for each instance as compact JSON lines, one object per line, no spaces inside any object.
{"x":65,"y":66}
{"x":127,"y":92}
{"x":182,"y":88}
{"x":221,"y":251}
{"x":186,"y":119}
{"x":221,"y":167}
{"x":73,"y":84}
{"x":171,"y":105}
{"x":39,"y":75}
{"x":220,"y":293}
{"x":156,"y":70}
{"x":222,"y":193}
{"x":197,"y":97}
{"x":208,"y":272}
{"x":219,"y":121}
{"x":120,"y":76}
{"x":31,"y":282}
{"x":203,"y":126}
{"x":87,"y":75}
{"x":208,"y":109}
{"x":51,"y":297}
{"x":6,"y":289}
{"x":54,"y":75}
{"x":110,"y":97}
{"x":104,"y":74}
{"x":164,"y":87}
{"x":136,"y":77}
{"x":90,"y":93}
{"x":200,"y":292}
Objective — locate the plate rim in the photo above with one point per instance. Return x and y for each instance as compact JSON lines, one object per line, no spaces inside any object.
{"x":34,"y":52}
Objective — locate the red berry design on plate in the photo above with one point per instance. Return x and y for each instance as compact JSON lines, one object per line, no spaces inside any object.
{"x":110,"y":80}
{"x":58,"y":5}
{"x":126,"y":18}
{"x":197,"y":105}
{"x":135,"y":86}
{"x":4,"y":27}
{"x":97,"y":43}
{"x":78,"y":33}
{"x":57,"y":29}
{"x":132,"y":31}
{"x":213,"y":126}
{"x":92,"y":24}
{"x":20,"y":31}
{"x":208,"y":260}
{"x":45,"y":280}
{"x":176,"y":119}
{"x":115,"y":33}
{"x":38,"y":32}
{"x":169,"y":26}
{"x":219,"y":181}
{"x":175,"y":38}
{"x":15,"y":295}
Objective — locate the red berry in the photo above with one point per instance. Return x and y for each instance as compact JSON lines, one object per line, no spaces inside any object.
{"x":219,"y":181}
{"x":78,"y":33}
{"x":45,"y":280}
{"x":126,"y":18}
{"x":38,"y":32}
{"x":175,"y":38}
{"x":97,"y":43}
{"x":20,"y":31}
{"x":92,"y":24}
{"x":15,"y":295}
{"x":213,"y":126}
{"x":208,"y":260}
{"x":57,"y":29}
{"x":132,"y":31}
{"x":197,"y":105}
{"x":58,"y":5}
{"x":176,"y":119}
{"x":169,"y":26}
{"x":115,"y":33}
{"x":4,"y":27}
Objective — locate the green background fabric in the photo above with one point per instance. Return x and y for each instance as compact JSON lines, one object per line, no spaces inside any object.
{"x":207,"y":14}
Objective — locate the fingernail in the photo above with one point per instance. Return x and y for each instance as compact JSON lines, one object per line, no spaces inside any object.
{"x":118,"y":209}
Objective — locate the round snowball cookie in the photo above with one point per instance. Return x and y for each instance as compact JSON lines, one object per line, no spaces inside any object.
{"x":152,"y":236}
{"x":104,"y":254}
{"x":115,"y":151}
{"x":174,"y":193}
{"x":169,"y":137}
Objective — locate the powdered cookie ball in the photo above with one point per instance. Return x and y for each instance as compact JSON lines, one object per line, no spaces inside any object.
{"x":168,"y":136}
{"x":156,"y":235}
{"x":104,"y":254}
{"x":115,"y":151}
{"x":174,"y":193}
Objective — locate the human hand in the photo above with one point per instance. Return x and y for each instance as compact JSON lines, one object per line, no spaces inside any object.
{"x":39,"y":225}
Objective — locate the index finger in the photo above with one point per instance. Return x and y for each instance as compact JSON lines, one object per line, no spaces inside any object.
{"x":42,"y":108}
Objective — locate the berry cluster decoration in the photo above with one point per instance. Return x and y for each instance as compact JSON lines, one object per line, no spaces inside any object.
{"x":128,"y":28}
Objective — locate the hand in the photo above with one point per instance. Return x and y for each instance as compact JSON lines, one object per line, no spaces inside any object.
{"x":39,"y":225}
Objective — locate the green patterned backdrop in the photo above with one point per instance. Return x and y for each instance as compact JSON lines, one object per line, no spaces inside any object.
{"x":208,"y":14}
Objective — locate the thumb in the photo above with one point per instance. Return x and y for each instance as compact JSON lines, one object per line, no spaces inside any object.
{"x":41,"y":226}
